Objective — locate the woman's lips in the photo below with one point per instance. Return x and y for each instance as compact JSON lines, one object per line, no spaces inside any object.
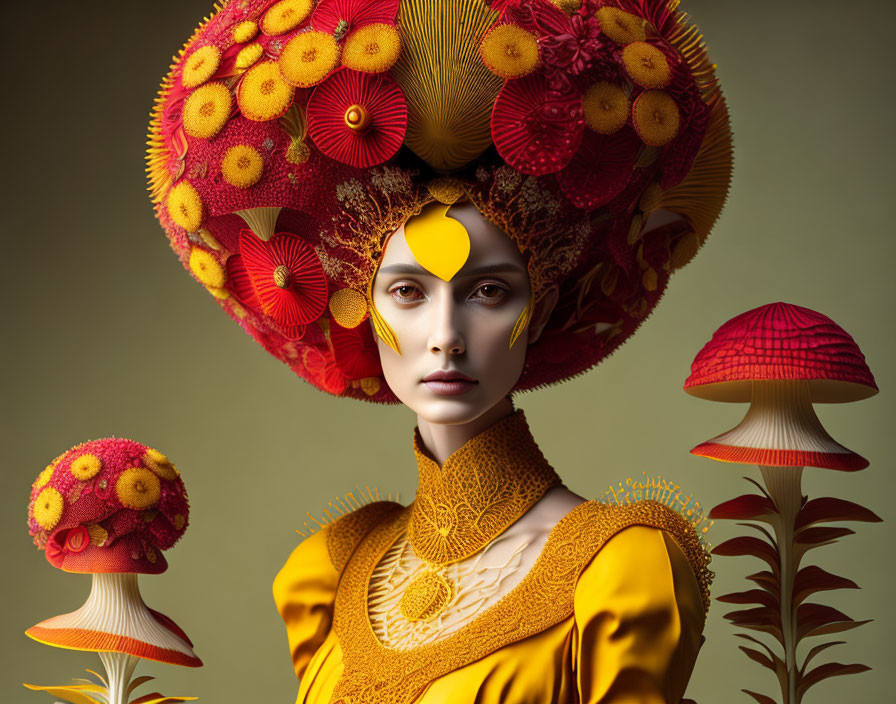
{"x":453,"y":387}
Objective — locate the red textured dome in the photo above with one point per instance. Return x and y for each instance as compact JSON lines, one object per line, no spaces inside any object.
{"x":781,"y":341}
{"x":109,"y":505}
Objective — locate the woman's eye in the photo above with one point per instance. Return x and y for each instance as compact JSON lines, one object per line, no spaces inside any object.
{"x":492,"y":293}
{"x":404,"y":292}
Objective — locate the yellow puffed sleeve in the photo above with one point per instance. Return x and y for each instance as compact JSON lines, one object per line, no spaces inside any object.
{"x":304,"y":591}
{"x":639,"y":618}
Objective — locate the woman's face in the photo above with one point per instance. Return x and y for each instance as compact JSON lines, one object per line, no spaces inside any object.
{"x":462,"y":326}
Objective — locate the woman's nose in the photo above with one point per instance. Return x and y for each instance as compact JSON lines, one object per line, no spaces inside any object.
{"x":445,"y":335}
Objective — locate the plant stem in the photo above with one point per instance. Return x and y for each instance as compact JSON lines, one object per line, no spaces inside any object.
{"x":119,"y":668}
{"x":783,"y":484}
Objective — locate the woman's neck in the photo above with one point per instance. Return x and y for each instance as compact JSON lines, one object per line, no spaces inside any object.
{"x":442,"y":440}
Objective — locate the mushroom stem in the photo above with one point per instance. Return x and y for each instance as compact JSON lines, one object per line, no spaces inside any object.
{"x":781,"y":417}
{"x":783,"y":485}
{"x":119,"y":669}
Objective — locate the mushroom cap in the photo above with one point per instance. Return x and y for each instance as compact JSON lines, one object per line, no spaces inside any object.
{"x":115,"y":619}
{"x":109,"y":505}
{"x":780,"y":341}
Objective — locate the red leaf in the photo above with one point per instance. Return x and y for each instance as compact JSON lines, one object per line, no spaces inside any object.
{"x":760,"y":529}
{"x":756,"y":656}
{"x":748,"y":506}
{"x":761,"y":698}
{"x":747,"y":545}
{"x":816,"y":537}
{"x":816,"y":650}
{"x":814,"y":579}
{"x":751,"y":596}
{"x":817,"y":619}
{"x":761,"y":618}
{"x":830,"y":669}
{"x":771,"y":654}
{"x":827,"y":509}
{"x":767,"y":581}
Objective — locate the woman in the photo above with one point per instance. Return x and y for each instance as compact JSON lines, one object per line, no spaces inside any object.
{"x":418,"y":609}
{"x":439,"y":204}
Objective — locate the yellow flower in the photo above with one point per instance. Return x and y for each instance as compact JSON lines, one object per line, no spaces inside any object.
{"x":646,"y":65}
{"x":48,"y":508}
{"x":206,"y":110}
{"x":655,"y":117}
{"x":509,"y":51}
{"x":308,"y":57}
{"x":248,"y":55}
{"x":201,"y":66}
{"x":206,"y":268}
{"x":622,"y":27}
{"x":285,"y":15}
{"x":44,"y":476}
{"x":221,"y":293}
{"x":242,"y":167}
{"x":160,"y":464}
{"x":264,"y":94}
{"x":606,"y":107}
{"x":185,"y":206}
{"x":244,"y":31}
{"x":138,"y":488}
{"x":348,"y":307}
{"x":86,"y":466}
{"x":372,"y":48}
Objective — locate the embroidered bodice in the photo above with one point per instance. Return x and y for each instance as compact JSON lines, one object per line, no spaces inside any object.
{"x":597,"y":601}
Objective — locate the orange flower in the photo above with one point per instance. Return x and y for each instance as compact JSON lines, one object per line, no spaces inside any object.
{"x":655,"y":117}
{"x":646,"y":65}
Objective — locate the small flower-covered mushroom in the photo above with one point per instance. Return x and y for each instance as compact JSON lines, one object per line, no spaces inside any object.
{"x":110,"y":507}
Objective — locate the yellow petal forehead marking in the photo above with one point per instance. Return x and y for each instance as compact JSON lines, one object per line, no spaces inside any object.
{"x":440,"y":244}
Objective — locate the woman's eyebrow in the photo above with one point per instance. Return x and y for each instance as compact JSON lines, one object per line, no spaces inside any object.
{"x":478,"y":271}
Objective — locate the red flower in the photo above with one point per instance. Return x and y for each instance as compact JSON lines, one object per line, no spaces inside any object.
{"x":601,"y":168}
{"x":358,"y":118}
{"x":281,"y":278}
{"x":571,"y":52}
{"x":339,"y":17}
{"x":536,"y":131}
{"x":324,"y":371}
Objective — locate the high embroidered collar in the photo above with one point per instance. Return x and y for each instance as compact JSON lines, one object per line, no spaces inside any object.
{"x":483,"y":487}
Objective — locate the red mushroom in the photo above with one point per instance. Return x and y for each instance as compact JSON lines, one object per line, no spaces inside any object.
{"x":782,"y":358}
{"x":109,"y":508}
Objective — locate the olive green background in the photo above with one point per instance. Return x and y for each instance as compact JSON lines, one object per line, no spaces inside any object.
{"x":105,"y":334}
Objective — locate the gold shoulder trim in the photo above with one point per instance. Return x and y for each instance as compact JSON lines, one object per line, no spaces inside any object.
{"x":342,"y":507}
{"x":690,"y":530}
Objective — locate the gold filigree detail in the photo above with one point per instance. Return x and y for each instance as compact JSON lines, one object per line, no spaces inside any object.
{"x":544,"y":598}
{"x":483,"y":487}
{"x":426,"y":597}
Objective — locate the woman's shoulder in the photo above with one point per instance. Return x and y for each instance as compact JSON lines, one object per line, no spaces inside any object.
{"x":638,"y":534}
{"x":344,"y":523}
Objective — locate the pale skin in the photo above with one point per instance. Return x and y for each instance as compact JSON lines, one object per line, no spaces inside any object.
{"x":464,"y":325}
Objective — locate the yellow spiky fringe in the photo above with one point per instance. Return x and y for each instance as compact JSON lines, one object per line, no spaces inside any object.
{"x":688,"y":40}
{"x":157,"y":153}
{"x":701,"y":195}
{"x":352,"y":501}
{"x":666,"y":492}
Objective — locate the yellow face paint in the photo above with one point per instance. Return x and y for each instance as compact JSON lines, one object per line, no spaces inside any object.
{"x":440,"y":244}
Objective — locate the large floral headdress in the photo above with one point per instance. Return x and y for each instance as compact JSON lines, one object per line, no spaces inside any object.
{"x":290,"y":138}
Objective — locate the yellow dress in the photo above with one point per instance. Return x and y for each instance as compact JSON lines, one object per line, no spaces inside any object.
{"x":612,"y":610}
